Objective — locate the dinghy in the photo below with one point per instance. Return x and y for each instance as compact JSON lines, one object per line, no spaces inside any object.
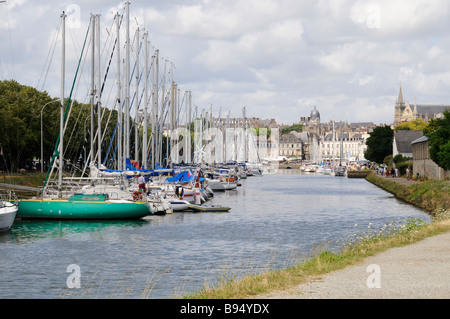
{"x":209,"y":209}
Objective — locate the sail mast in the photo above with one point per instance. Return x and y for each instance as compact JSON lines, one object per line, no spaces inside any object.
{"x":127,"y":84}
{"x":144,"y":137}
{"x":91,"y":153}
{"x":99,"y":96}
{"x":136,"y":116}
{"x":119,"y":98}
{"x":61,"y":126}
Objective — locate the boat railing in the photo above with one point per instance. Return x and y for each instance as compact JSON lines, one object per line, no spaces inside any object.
{"x":7,"y":195}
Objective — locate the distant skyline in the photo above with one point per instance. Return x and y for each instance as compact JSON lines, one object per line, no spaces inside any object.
{"x":279,"y":59}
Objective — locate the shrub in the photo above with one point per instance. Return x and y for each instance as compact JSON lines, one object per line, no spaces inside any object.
{"x":403,"y":166}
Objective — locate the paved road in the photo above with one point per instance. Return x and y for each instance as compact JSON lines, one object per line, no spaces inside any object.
{"x":420,"y":271}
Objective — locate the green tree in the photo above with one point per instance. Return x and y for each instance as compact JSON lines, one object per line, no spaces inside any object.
{"x":296,"y":127}
{"x":379,"y":144}
{"x":415,"y":125}
{"x":21,"y":111}
{"x":438,"y":133}
{"x":20,"y":114}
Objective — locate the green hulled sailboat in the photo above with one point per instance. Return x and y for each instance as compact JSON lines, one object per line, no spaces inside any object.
{"x":81,"y":206}
{"x":78,"y":206}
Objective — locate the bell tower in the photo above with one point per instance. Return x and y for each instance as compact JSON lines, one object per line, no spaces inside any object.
{"x":399,"y":107}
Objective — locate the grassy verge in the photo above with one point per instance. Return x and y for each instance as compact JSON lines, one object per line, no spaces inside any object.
{"x":430,"y":195}
{"x":31,"y":180}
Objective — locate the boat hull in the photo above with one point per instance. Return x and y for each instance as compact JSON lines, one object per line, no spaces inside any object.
{"x":65,"y":209}
{"x":7,"y":216}
{"x":209,"y":209}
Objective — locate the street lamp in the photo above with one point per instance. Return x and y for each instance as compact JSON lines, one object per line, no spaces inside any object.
{"x":42,"y":135}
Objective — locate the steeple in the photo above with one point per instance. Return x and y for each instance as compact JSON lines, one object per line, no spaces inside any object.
{"x":400,"y":97}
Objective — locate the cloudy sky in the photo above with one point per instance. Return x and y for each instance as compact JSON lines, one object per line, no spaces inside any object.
{"x":278,"y":58}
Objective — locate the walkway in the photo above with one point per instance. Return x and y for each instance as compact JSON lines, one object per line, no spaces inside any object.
{"x":420,"y":270}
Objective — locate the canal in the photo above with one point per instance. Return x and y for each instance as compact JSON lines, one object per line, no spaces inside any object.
{"x":274,"y":222}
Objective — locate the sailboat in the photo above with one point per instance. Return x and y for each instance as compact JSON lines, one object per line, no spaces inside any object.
{"x":77,"y":206}
{"x":8,"y":210}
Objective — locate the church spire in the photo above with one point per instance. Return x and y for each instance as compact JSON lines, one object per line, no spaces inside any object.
{"x":400,"y":97}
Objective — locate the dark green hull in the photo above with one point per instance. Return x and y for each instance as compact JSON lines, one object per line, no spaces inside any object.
{"x":84,"y":209}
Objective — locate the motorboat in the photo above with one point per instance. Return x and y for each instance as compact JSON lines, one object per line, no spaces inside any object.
{"x":179,"y":205}
{"x":340,"y":171}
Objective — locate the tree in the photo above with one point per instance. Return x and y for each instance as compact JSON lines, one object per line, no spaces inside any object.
{"x":20,"y":113}
{"x":295,"y":127}
{"x":438,"y":133}
{"x":415,"y":125}
{"x":379,"y":144}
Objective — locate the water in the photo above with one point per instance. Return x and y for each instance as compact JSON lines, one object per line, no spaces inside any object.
{"x":275,"y":221}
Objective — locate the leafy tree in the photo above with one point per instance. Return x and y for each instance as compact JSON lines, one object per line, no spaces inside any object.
{"x":399,"y":158}
{"x":415,"y":125}
{"x":20,"y":116}
{"x":21,"y":111}
{"x":438,"y":133}
{"x":296,"y":127}
{"x":379,"y":144}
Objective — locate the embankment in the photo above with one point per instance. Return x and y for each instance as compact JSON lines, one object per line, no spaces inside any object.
{"x":431,"y":195}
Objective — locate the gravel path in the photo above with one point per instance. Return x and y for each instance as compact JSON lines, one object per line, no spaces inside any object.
{"x":420,"y":271}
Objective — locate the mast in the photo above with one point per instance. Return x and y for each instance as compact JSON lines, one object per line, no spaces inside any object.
{"x":145,"y":132}
{"x":155,"y":109}
{"x":91,"y":153}
{"x":127,"y":85}
{"x":119,"y":101}
{"x":161,"y":124}
{"x":61,"y":126}
{"x":136,"y":130}
{"x":99,"y":96}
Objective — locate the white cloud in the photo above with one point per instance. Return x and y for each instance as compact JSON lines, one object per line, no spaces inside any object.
{"x":347,"y":57}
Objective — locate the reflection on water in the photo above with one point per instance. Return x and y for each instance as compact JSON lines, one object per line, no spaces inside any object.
{"x":275,"y":220}
{"x":25,"y":231}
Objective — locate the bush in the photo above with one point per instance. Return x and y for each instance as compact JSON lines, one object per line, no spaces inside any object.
{"x":399,"y":158}
{"x":388,"y":160}
{"x":403,"y":166}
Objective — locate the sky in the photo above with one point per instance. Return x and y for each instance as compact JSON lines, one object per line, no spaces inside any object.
{"x":276,"y":58}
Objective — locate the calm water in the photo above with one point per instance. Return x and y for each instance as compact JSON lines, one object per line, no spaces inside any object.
{"x":275,"y":220}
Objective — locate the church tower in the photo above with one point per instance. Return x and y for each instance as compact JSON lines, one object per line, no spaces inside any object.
{"x":399,"y":108}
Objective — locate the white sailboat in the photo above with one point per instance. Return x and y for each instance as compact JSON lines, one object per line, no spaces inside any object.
{"x":8,"y":209}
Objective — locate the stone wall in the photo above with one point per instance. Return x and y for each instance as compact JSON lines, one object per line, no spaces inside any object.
{"x":429,"y":169}
{"x":423,"y":164}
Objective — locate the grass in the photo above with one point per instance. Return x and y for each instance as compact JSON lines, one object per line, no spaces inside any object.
{"x":430,"y":195}
{"x":31,"y":180}
{"x":321,"y":262}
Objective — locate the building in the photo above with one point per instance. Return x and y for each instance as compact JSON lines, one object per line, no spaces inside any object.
{"x":402,"y":142}
{"x":345,"y":147}
{"x":404,"y":112}
{"x":332,"y":141}
{"x":291,"y":145}
{"x":423,"y":164}
{"x":313,"y":119}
